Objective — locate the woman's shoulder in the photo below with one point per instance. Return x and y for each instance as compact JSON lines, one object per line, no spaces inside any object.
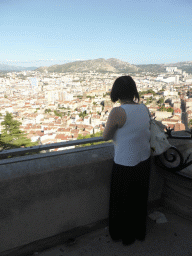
{"x":125,"y":106}
{"x":121,"y":109}
{"x":118,"y":112}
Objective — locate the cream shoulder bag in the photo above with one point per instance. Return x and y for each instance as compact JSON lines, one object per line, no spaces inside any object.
{"x":158,"y":141}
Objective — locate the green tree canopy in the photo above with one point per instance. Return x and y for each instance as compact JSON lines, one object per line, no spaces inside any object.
{"x":162,"y":108}
{"x":47,"y":110}
{"x":160,"y":101}
{"x":146,"y":92}
{"x":12,"y":136}
{"x":57,"y":113}
{"x":83,"y":114}
{"x":97,"y":134}
{"x":170,"y":110}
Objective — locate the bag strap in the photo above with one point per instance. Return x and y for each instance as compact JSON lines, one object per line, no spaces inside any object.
{"x":160,"y":125}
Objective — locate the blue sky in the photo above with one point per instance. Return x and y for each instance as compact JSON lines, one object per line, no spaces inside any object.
{"x":46,"y":32}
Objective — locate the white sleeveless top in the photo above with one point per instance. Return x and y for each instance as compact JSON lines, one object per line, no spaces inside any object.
{"x":132,"y":141}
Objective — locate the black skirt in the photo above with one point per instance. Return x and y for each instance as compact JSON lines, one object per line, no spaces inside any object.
{"x":128,"y":201}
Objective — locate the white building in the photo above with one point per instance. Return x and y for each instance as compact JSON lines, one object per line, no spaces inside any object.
{"x":160,"y":115}
{"x":87,"y":120}
{"x":177,"y":79}
{"x":171,"y":69}
{"x":51,"y":96}
{"x":170,"y":79}
{"x":39,"y":118}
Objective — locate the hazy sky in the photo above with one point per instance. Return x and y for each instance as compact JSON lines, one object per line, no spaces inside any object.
{"x":136,"y":31}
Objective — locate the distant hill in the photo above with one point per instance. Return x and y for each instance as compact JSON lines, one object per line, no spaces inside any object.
{"x":152,"y":68}
{"x":7,"y":68}
{"x":185,"y":66}
{"x":102,"y":66}
{"x":113,"y":65}
{"x":97,"y":65}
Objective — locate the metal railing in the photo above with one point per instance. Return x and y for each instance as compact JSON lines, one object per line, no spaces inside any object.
{"x":23,"y":151}
{"x":173,"y":160}
{"x":171,"y":136}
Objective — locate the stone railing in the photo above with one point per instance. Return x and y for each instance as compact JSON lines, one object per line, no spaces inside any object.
{"x":177,"y":190}
{"x":47,"y":147}
{"x":48,"y":198}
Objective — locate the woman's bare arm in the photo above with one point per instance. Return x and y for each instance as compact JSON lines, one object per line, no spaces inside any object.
{"x":116,"y":119}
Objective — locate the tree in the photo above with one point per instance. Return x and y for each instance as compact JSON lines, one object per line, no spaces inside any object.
{"x":190,"y":122}
{"x":47,"y":110}
{"x":160,"y":101}
{"x":90,"y":97}
{"x":83,"y":114}
{"x":12,"y":136}
{"x":97,"y":134}
{"x":170,"y":110}
{"x":162,"y":108}
{"x":146,"y":92}
{"x":57,"y":113}
{"x":148,"y":101}
{"x":107,"y":93}
{"x":151,"y":91}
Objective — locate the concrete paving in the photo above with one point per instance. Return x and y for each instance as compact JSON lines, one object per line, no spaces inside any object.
{"x":173,"y":238}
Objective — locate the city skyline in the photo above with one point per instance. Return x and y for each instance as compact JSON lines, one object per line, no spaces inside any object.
{"x":44,"y":33}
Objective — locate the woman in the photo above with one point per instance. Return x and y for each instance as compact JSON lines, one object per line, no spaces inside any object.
{"x":129,"y":127}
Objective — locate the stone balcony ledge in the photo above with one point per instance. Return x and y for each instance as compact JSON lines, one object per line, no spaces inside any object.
{"x":170,"y":238}
{"x":48,"y":198}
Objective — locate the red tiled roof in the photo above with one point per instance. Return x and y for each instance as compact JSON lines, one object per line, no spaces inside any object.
{"x":75,"y":136}
{"x":170,"y":126}
{"x":37,"y":133}
{"x":72,"y":125}
{"x":61,"y":137}
{"x":61,"y":129}
{"x":74,"y":131}
{"x":177,"y":110}
{"x":179,"y":127}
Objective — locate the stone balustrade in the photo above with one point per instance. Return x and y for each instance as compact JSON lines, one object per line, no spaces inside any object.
{"x":46,"y":195}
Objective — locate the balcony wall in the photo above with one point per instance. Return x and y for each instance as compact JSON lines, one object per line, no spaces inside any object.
{"x":177,"y":189}
{"x":47,"y":194}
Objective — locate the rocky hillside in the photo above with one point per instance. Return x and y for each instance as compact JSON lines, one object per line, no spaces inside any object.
{"x":158,"y":68}
{"x":97,"y":65}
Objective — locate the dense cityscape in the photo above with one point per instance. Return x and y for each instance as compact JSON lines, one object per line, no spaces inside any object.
{"x":57,"y":107}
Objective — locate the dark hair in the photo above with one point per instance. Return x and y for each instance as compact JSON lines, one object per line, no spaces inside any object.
{"x":124,"y":88}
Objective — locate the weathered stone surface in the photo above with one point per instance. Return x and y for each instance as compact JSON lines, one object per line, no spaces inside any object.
{"x":47,"y":194}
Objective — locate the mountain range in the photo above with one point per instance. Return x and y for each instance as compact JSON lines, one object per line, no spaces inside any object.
{"x":97,"y":65}
{"x":102,"y":66}
{"x":8,"y":68}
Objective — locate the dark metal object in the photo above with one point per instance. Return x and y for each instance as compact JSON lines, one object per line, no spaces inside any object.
{"x":170,"y":136}
{"x":172,"y":160}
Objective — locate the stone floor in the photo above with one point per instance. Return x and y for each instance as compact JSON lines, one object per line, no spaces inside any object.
{"x":173,"y":238}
